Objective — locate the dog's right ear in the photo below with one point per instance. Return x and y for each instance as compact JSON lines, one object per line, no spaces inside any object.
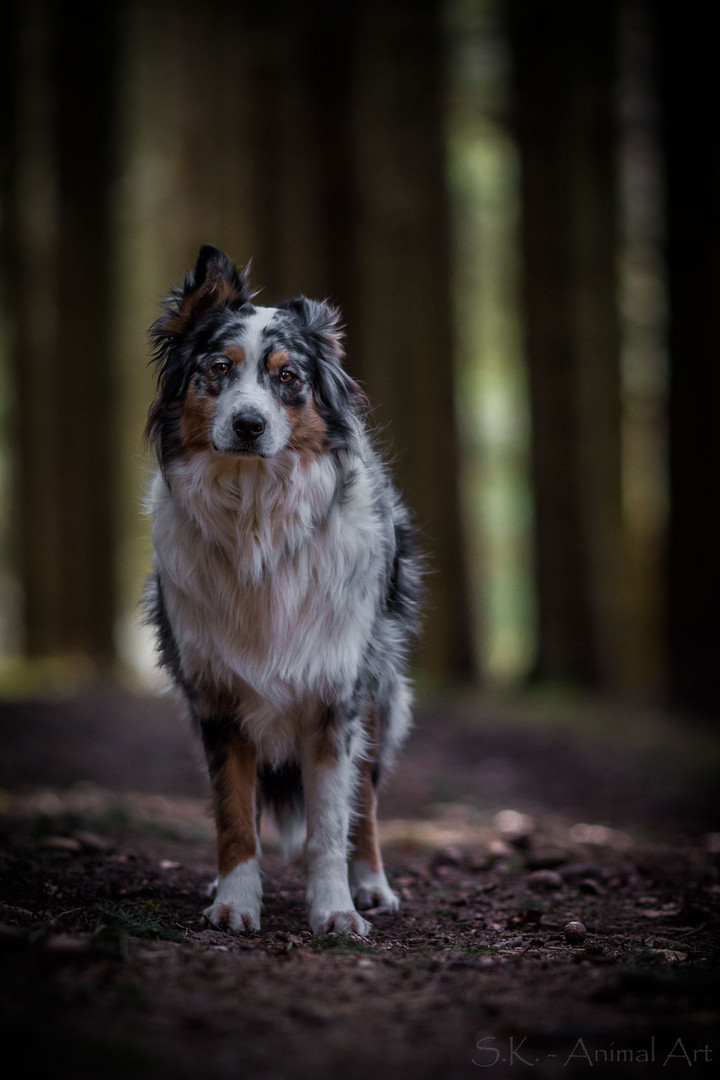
{"x":214,"y":282}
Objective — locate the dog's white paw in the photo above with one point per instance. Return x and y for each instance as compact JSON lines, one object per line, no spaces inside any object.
{"x":339,"y":922}
{"x":331,"y":907}
{"x":237,"y":900}
{"x":229,"y":917}
{"x":371,"y":889}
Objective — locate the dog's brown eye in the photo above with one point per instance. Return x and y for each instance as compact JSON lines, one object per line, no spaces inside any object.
{"x":286,"y":375}
{"x":221,"y":367}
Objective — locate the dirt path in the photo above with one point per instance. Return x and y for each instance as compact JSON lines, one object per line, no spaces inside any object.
{"x":108,"y":971}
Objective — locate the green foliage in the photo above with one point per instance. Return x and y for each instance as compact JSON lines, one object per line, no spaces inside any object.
{"x":143,"y":921}
{"x":481,"y":950}
{"x":341,"y":943}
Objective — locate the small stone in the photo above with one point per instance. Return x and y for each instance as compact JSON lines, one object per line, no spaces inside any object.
{"x":65,"y":844}
{"x":673,"y":956}
{"x":589,"y":886}
{"x":67,"y":943}
{"x":498,"y":849}
{"x":91,"y":841}
{"x":478,"y":861}
{"x":545,"y":879}
{"x":545,"y":858}
{"x":583,"y":870}
{"x":517,"y":828}
{"x":511,"y":943}
{"x":575,"y":933}
{"x":448,"y":856}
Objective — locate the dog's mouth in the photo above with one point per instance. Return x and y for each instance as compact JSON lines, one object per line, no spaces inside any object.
{"x":240,"y":449}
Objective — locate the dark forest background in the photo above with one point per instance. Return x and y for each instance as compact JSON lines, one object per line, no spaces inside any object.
{"x":515,"y":204}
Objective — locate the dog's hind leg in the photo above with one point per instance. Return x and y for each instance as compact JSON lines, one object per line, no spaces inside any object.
{"x":232,"y":763}
{"x":368,"y":883}
{"x":281,"y":789}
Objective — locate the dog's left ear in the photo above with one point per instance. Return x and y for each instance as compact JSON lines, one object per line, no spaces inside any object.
{"x":214,"y":282}
{"x":321,"y":322}
{"x":337,"y":395}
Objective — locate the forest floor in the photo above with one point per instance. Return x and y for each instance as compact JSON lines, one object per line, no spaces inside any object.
{"x":501,"y":826}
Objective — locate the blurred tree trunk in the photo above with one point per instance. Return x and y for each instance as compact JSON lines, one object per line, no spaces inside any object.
{"x":28,"y":261}
{"x":301,"y":64}
{"x":402,"y":306}
{"x":688,"y":94}
{"x":564,"y":66}
{"x":63,"y":327}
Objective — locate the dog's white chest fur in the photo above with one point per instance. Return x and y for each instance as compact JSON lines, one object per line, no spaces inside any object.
{"x":265,"y":575}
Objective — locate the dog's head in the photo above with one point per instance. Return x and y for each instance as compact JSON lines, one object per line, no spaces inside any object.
{"x":235,"y":378}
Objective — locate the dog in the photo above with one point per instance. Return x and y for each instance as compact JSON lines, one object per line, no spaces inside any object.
{"x":286,"y":587}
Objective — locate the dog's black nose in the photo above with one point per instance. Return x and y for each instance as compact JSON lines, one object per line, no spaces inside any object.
{"x":248,"y":425}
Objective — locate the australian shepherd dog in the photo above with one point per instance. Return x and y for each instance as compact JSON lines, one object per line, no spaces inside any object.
{"x":285,"y":588}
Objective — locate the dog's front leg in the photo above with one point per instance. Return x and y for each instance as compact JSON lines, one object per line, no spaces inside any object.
{"x":329,"y":777}
{"x":233,"y":774}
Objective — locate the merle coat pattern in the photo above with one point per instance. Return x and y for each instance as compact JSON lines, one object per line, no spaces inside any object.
{"x":285,"y":589}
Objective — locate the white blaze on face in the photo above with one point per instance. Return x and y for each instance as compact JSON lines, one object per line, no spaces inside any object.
{"x":250,"y":392}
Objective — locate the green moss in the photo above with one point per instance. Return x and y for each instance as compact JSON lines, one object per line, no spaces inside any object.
{"x":143,"y":921}
{"x":341,"y":943}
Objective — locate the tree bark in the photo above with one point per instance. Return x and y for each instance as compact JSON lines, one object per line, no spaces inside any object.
{"x":65,"y":471}
{"x":563,"y":56}
{"x":691,"y":148}
{"x":402,"y":310}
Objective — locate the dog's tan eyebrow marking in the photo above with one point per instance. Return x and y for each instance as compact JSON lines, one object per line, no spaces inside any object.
{"x":235,"y":354}
{"x":277,"y":359}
